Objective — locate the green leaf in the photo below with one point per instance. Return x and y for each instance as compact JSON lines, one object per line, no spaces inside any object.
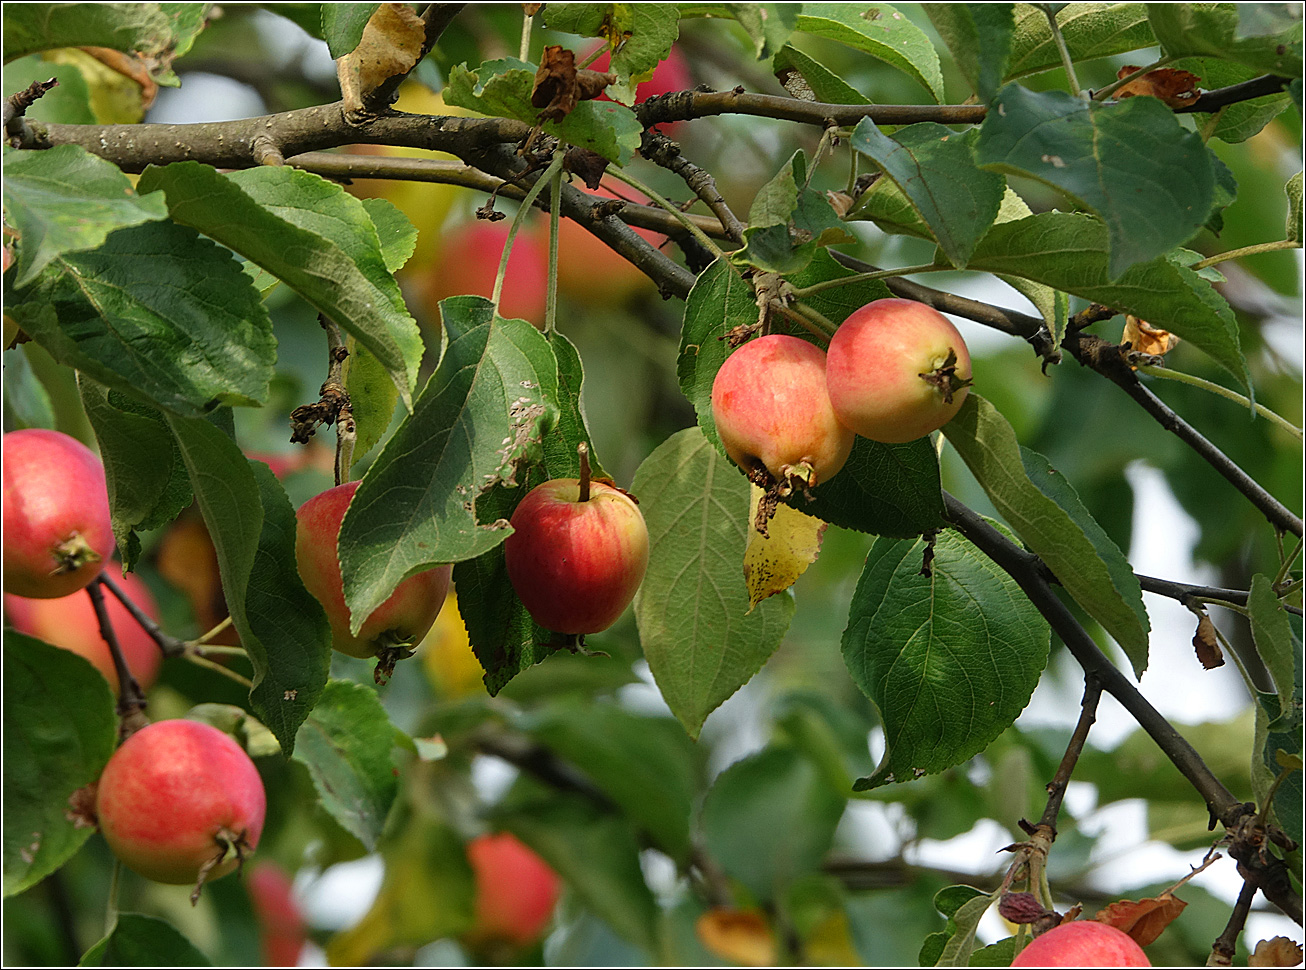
{"x":282,"y":627}
{"x":345,"y":744}
{"x":964,"y":924}
{"x":1272,"y":634}
{"x":1293,"y":231}
{"x":397,"y":236}
{"x":645,"y":32}
{"x":1090,"y":30}
{"x":769,"y":819}
{"x":480,"y":418}
{"x":311,"y":234}
{"x":1068,"y":252}
{"x":65,"y":199}
{"x":27,"y":403}
{"x":593,"y":850}
{"x":155,"y":33}
{"x":148,"y":485}
{"x":372,"y":394}
{"x":885,"y":204}
{"x":949,"y":902}
{"x":646,"y":765}
{"x":768,"y":25}
{"x":59,"y":731}
{"x":719,"y":301}
{"x":888,"y":490}
{"x":979,"y":35}
{"x":935,"y":168}
{"x":68,"y":102}
{"x":825,"y":84}
{"x":503,"y":88}
{"x":343,"y":25}
{"x":700,"y":640}
{"x":789,"y":222}
{"x":1212,"y":29}
{"x":158,"y":313}
{"x":137,"y":940}
{"x":949,"y":659}
{"x":988,"y":445}
{"x":1238,"y":121}
{"x":1131,"y":162}
{"x":881,"y":32}
{"x":1052,"y":305}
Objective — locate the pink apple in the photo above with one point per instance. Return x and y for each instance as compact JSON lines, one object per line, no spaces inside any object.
{"x":403,"y":618}
{"x":515,"y":890}
{"x":591,"y":272}
{"x":282,"y":930}
{"x":771,"y":409}
{"x":576,"y":560}
{"x":1083,"y":943}
{"x":70,"y":622}
{"x":897,"y":370}
{"x":468,"y":262}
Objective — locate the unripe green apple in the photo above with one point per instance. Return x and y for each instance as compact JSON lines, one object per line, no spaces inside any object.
{"x":70,"y":622}
{"x":57,"y":532}
{"x":576,"y":558}
{"x":404,"y":618}
{"x":515,"y":890}
{"x":771,"y":410}
{"x":1083,"y":943}
{"x":180,"y":802}
{"x":897,"y":370}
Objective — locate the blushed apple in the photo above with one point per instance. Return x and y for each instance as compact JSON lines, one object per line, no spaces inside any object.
{"x":1082,"y":943}
{"x":515,"y":890}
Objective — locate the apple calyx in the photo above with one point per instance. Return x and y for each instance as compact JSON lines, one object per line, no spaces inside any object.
{"x":392,"y":646}
{"x":72,"y":554}
{"x":944,"y":378}
{"x":230,"y":844}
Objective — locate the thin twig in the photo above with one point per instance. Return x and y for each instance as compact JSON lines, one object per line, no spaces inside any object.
{"x":131,"y":699}
{"x":1184,"y":592}
{"x":1087,"y":716}
{"x":1222,"y":950}
{"x":661,"y":150}
{"x":170,"y":646}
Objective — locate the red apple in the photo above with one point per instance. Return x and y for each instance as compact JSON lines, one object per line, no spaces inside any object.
{"x":576,"y":555}
{"x":515,"y":890}
{"x":57,"y":533}
{"x":897,"y":370}
{"x":589,"y":271}
{"x":281,"y":922}
{"x":672,"y":74}
{"x":70,"y":622}
{"x":1082,"y":943}
{"x":404,"y":618}
{"x":468,"y":262}
{"x":771,"y":409}
{"x":180,"y":802}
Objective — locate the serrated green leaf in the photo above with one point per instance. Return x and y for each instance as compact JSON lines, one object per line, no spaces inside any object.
{"x":754,"y":801}
{"x":155,"y":33}
{"x":700,"y":640}
{"x":768,"y":25}
{"x":372,"y":394}
{"x":949,"y":659}
{"x":397,"y":236}
{"x":59,"y":731}
{"x":503,"y":88}
{"x":789,"y":222}
{"x":646,"y":765}
{"x":593,"y":850}
{"x":1211,"y":29}
{"x":1068,"y":252}
{"x":311,"y":234}
{"x":643,"y":31}
{"x":885,"y":204}
{"x":282,"y":627}
{"x":343,"y":25}
{"x":1272,"y":634}
{"x":157,"y":312}
{"x":882,"y":32}
{"x":979,"y":36}
{"x":64,"y":200}
{"x":988,"y":445}
{"x":1090,"y":30}
{"x":825,"y":85}
{"x":27,"y":403}
{"x":484,"y":412}
{"x":964,"y":924}
{"x":345,"y":744}
{"x":68,"y":102}
{"x":1131,"y":162}
{"x":148,"y":485}
{"x":935,"y":168}
{"x":1238,"y":121}
{"x":1293,"y":230}
{"x":137,"y":940}
{"x":1052,"y":305}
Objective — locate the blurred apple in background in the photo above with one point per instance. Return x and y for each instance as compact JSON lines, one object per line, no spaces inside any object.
{"x":70,"y":622}
{"x":281,"y":922}
{"x":515,"y":891}
{"x":468,"y":261}
{"x":589,"y":271}
{"x":672,"y":74}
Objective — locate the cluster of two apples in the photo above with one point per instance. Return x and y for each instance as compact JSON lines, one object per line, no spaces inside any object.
{"x":895,"y":371}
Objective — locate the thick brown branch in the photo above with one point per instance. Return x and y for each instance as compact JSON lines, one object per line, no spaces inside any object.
{"x":698,"y":104}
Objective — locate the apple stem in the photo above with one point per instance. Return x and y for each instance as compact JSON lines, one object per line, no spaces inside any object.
{"x":583,"y":451}
{"x":131,"y":699}
{"x":170,"y":646}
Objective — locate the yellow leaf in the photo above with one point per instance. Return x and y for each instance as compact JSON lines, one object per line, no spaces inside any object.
{"x":773,"y":563}
{"x":392,"y":43}
{"x":738,"y":935}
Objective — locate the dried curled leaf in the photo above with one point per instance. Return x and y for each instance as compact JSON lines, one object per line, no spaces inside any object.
{"x":392,"y":44}
{"x":1277,"y":952}
{"x":741,"y":936}
{"x":1145,"y":919}
{"x":1144,"y":338}
{"x":559,"y":86}
{"x":1207,"y":644}
{"x":1175,"y":87}
{"x":774,"y":561}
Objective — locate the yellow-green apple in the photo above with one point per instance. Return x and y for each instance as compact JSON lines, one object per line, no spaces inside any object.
{"x":1083,"y":943}
{"x":577,"y":554}
{"x":70,"y":622}
{"x":515,"y":891}
{"x":180,"y":802}
{"x":401,"y":620}
{"x":57,"y":532}
{"x":771,"y":411}
{"x":468,"y":262}
{"x":897,"y":370}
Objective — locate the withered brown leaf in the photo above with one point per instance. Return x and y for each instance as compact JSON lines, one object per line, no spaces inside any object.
{"x":559,"y":86}
{"x":1175,"y":87}
{"x":1143,"y":919}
